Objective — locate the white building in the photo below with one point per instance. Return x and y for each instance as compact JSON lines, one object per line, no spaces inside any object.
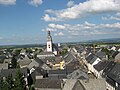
{"x":50,"y":46}
{"x":49,"y":42}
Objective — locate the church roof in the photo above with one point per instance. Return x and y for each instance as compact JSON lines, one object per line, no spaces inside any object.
{"x":55,"y":48}
{"x":46,"y":53}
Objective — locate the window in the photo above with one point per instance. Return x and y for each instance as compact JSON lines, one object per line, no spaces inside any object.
{"x":48,"y":46}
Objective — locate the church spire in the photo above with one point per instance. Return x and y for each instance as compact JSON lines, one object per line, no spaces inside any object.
{"x":49,"y":38}
{"x":49,"y":42}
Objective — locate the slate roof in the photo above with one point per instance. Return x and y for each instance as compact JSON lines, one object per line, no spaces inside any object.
{"x":114,"y":54}
{"x":70,"y":67}
{"x":39,"y":61}
{"x":108,"y":68}
{"x":7,"y":60}
{"x":115,"y":73}
{"x":39,"y":71}
{"x":7,"y":72}
{"x":55,"y":48}
{"x":58,"y":74}
{"x":89,"y":50}
{"x":4,"y":66}
{"x":24,"y":61}
{"x":101,"y":65}
{"x":101,"y":54}
{"x":93,"y":60}
{"x":69,"y":84}
{"x":94,"y":84}
{"x":117,"y":57}
{"x":48,"y":83}
{"x":78,"y":74}
{"x":79,"y":49}
{"x":57,"y":71}
{"x":33,"y":64}
{"x":46,"y":53}
{"x":78,"y":86}
{"x":58,"y":59}
{"x":90,"y":57}
{"x":69,"y":57}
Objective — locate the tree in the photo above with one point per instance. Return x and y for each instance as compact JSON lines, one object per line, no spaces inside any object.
{"x":64,"y":52}
{"x":108,"y":52}
{"x":14,"y":62}
{"x":28,"y":50}
{"x":19,"y":83}
{"x":13,"y":83}
{"x":16,"y":52}
{"x":1,"y":83}
{"x":10,"y":82}
{"x":4,"y":85}
{"x":2,"y":58}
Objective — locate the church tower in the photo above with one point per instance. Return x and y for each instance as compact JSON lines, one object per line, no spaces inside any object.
{"x":49,"y":42}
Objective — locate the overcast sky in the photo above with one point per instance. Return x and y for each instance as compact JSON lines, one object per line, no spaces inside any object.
{"x":26,"y":21}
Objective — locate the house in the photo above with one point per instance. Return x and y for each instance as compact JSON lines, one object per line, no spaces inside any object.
{"x":113,"y":78}
{"x":42,"y":64}
{"x":91,"y":61}
{"x":23,"y":52}
{"x":40,"y":73}
{"x":69,"y":58}
{"x":102,"y":55}
{"x":32,"y":64}
{"x":118,"y":48}
{"x":45,"y":55}
{"x":3,"y":66}
{"x":81,"y":51}
{"x":94,"y":84}
{"x":77,"y":74}
{"x":73,"y":84}
{"x":58,"y":74}
{"x":108,"y":68}
{"x":73,"y":65}
{"x":113,"y":48}
{"x":7,"y":60}
{"x":117,"y":57}
{"x":78,"y":86}
{"x":110,"y":84}
{"x":98,"y":68}
{"x":48,"y":84}
{"x":38,"y":63}
{"x":114,"y":54}
{"x":24,"y":62}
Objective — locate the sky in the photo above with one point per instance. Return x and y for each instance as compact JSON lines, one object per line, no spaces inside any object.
{"x":27,"y":21}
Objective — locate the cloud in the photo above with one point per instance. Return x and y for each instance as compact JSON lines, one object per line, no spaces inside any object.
{"x":83,"y":9}
{"x":59,"y":34}
{"x":115,"y":17}
{"x":48,"y":18}
{"x":35,"y":3}
{"x":70,"y":4}
{"x":8,"y":2}
{"x":118,"y":14}
{"x":56,"y":26}
{"x":84,"y":29}
{"x":50,"y":29}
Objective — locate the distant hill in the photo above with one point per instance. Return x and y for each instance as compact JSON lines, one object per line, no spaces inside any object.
{"x":111,"y":40}
{"x":105,"y":41}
